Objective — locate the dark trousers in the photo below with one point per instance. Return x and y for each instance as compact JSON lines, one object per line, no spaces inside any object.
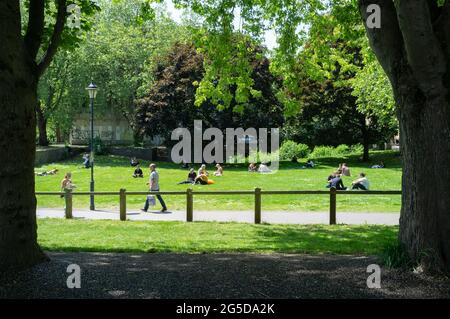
{"x":359,"y":186}
{"x":161,"y":201}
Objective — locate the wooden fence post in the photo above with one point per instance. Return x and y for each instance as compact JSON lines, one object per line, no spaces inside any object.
{"x":123,"y":204}
{"x":257,"y":205}
{"x":68,"y":200}
{"x":189,"y":205}
{"x":332,"y":206}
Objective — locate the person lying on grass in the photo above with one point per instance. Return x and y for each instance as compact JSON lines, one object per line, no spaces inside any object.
{"x":50,"y":172}
{"x":252,"y":167}
{"x":361,"y":183}
{"x":219,"y":171}
{"x":191,"y":177}
{"x":381,"y":165}
{"x":263,"y":168}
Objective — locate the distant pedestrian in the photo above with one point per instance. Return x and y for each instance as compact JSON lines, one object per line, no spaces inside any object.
{"x":154,"y":187}
{"x":66,"y":183}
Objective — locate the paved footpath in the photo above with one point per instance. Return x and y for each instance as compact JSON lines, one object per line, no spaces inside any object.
{"x":271,"y":217}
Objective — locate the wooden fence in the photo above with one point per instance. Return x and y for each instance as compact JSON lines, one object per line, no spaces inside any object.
{"x":189,"y":193}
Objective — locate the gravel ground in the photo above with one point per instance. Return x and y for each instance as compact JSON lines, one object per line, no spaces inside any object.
{"x":114,"y":275}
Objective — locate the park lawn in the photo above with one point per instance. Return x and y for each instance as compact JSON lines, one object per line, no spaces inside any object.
{"x":113,"y":173}
{"x":207,"y":237}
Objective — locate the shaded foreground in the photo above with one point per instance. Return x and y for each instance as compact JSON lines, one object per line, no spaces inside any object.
{"x":115,"y":275}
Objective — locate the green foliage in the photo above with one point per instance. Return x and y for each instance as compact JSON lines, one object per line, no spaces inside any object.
{"x":170,"y":103}
{"x":291,"y":151}
{"x":100,"y":147}
{"x":117,"y":54}
{"x":338,"y":151}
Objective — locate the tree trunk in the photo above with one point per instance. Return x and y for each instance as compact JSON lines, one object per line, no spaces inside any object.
{"x":18,"y":229}
{"x":365,"y":138}
{"x":425,"y":213}
{"x":42,"y":126}
{"x":59,"y":137}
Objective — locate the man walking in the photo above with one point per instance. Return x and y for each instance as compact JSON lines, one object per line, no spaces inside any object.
{"x":154,"y":187}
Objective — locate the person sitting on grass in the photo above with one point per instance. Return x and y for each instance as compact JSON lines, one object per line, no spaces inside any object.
{"x":252,"y":167}
{"x":191,"y":177}
{"x":134,"y":162}
{"x":361,"y":183}
{"x":263,"y":168}
{"x":202,"y":170}
{"x":201,"y":179}
{"x":309,"y":164}
{"x":344,"y":169}
{"x":336,"y":182}
{"x":219,"y":171}
{"x":138,"y":172}
{"x":381,"y":165}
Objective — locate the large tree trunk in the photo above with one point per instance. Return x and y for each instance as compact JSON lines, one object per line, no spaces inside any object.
{"x":413,"y":47}
{"x":18,"y":230}
{"x":42,"y":126}
{"x":425,"y":213}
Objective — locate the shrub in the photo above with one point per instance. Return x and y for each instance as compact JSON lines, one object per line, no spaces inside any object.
{"x":394,"y":255}
{"x":99,"y":147}
{"x":338,"y":151}
{"x":291,"y":151}
{"x":323,"y":151}
{"x":342,"y":149}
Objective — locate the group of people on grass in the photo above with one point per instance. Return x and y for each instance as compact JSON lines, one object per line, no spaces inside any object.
{"x":335,"y":179}
{"x":202,"y":177}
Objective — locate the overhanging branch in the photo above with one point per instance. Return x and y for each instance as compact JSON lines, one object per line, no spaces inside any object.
{"x":424,"y":51}
{"x":56,"y":37}
{"x":387,"y":41}
{"x":33,"y":37}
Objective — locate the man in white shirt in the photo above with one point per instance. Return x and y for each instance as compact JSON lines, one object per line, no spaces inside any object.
{"x":154,"y":187}
{"x":361,"y":183}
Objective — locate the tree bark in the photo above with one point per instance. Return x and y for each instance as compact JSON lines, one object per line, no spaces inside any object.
{"x":42,"y":126}
{"x":18,"y":84}
{"x":365,"y":138}
{"x":425,"y":212}
{"x":413,"y":49}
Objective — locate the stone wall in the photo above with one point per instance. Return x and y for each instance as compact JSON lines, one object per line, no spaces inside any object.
{"x":56,"y":153}
{"x":112,"y":129}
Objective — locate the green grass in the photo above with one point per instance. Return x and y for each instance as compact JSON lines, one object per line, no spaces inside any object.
{"x":113,"y":173}
{"x":204,"y":237}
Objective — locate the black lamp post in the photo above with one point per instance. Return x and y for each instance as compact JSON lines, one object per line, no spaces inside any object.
{"x":92,"y":90}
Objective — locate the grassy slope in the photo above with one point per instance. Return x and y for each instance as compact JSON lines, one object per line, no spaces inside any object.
{"x":113,"y":173}
{"x":197,"y":237}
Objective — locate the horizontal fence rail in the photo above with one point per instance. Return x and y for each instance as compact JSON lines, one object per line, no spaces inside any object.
{"x":189,"y":193}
